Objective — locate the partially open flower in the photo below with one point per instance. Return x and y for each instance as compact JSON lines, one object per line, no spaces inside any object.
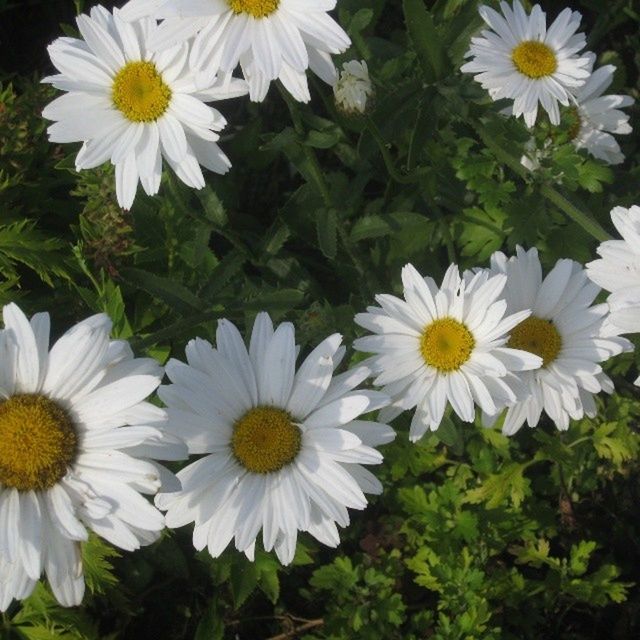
{"x":353,"y":88}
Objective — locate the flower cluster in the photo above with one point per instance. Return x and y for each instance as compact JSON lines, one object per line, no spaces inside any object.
{"x":284,"y":447}
{"x":519,"y":59}
{"x":138,"y":81}
{"x":498,"y":338}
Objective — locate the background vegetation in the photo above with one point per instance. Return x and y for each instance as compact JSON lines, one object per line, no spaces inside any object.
{"x":477,"y":536}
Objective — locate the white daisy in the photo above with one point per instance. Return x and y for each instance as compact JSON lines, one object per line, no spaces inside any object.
{"x":77,"y":443}
{"x":283,"y":449}
{"x":599,"y":116}
{"x":565,"y":330}
{"x":353,"y":87}
{"x":444,"y":345}
{"x":520,"y":59}
{"x":270,"y":39}
{"x":134,"y":107}
{"x":618,"y":271}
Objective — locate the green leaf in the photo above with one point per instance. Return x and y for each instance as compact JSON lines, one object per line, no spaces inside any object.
{"x":425,"y":38}
{"x":497,"y":488}
{"x":172,"y":293}
{"x":211,"y":625}
{"x":269,"y":582}
{"x":614,"y":441}
{"x":378,"y":226}
{"x":212,"y":206}
{"x":284,"y":299}
{"x":243,"y":580}
{"x":21,"y":242}
{"x":113,"y":305}
{"x":580,"y":555}
{"x":98,"y":570}
{"x":361,"y":20}
{"x":327,"y":228}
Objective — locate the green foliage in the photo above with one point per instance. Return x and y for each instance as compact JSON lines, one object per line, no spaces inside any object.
{"x":476,"y":536}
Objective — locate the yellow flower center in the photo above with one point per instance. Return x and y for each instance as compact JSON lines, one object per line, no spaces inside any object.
{"x":534,"y":59}
{"x":446,"y":344}
{"x":140,"y":93}
{"x":38,"y":442}
{"x":537,"y":336}
{"x":265,"y":440}
{"x":255,"y":8}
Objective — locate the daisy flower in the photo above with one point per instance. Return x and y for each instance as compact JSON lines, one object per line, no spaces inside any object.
{"x":353,"y":87}
{"x":283,"y":449}
{"x":77,"y":448}
{"x":598,"y":116}
{"x":270,"y":39}
{"x":445,"y":345}
{"x":134,"y":107}
{"x":618,"y":271}
{"x":521,"y":60}
{"x":565,"y":330}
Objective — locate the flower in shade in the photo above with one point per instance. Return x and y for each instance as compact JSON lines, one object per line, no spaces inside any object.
{"x":283,"y":447}
{"x":133,"y":107}
{"x":78,"y":444}
{"x":599,"y":116}
{"x":518,"y":58}
{"x":353,"y":87}
{"x":566,"y":330}
{"x":270,"y":39}
{"x":618,"y":271}
{"x":444,"y":345}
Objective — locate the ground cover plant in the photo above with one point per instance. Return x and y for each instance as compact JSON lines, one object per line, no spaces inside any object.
{"x":319,"y":320}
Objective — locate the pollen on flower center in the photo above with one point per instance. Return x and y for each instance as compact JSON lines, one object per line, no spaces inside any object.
{"x":255,"y":8}
{"x":265,"y":439}
{"x":534,"y":59}
{"x":38,"y":442}
{"x":538,"y":336}
{"x":446,"y":344}
{"x":139,"y":92}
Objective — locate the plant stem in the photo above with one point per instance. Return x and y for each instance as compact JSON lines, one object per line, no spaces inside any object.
{"x":585,"y":220}
{"x":386,"y":156}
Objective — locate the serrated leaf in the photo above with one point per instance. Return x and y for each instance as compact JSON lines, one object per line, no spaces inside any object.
{"x":98,"y":570}
{"x":212,"y":206}
{"x":497,"y":488}
{"x":211,"y":625}
{"x":243,"y":580}
{"x":579,"y":556}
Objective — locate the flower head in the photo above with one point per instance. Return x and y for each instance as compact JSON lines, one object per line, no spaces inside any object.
{"x":444,"y":345}
{"x":600,"y":116}
{"x":134,"y":107}
{"x":520,"y":59}
{"x":78,"y":444}
{"x":283,"y":446}
{"x":353,"y":87}
{"x":566,"y":330}
{"x":270,"y":39}
{"x":618,"y":271}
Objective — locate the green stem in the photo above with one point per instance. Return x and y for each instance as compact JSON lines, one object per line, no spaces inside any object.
{"x":580,"y":217}
{"x":386,"y":156}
